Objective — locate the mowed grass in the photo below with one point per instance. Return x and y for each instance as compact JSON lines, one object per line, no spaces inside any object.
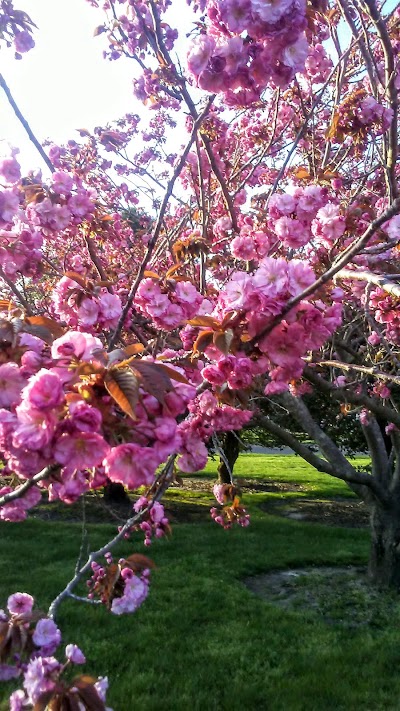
{"x":202,"y":640}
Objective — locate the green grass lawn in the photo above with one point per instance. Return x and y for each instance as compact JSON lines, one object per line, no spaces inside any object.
{"x":202,"y":640}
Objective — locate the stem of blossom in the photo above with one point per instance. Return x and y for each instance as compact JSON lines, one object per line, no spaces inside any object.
{"x":158,"y":225}
{"x":381,"y":281}
{"x":16,"y":292}
{"x":343,"y":260}
{"x":21,"y":490}
{"x":96,"y":261}
{"x":391,"y":92}
{"x":25,"y":124}
{"x":347,"y":395}
{"x":95,"y":555}
{"x":361,"y":369}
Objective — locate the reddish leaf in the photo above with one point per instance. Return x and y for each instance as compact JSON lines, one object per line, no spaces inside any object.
{"x":76,"y":277}
{"x":7,"y":334}
{"x":302,"y":173}
{"x":207,"y":321}
{"x":55,"y":329}
{"x":99,"y":30}
{"x":172,"y":270}
{"x":138,"y":562}
{"x":90,"y":698}
{"x":203,"y":340}
{"x":43,"y":701}
{"x":153,"y":379}
{"x":6,"y":305}
{"x":123,"y":386}
{"x":105,"y":587}
{"x":223,"y":341}
{"x":173,"y":374}
{"x":133,"y":349}
{"x":151,"y":275}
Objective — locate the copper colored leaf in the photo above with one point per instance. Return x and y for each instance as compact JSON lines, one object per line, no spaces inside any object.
{"x":123,"y":386}
{"x":151,"y":275}
{"x":105,"y":587}
{"x":173,"y":374}
{"x":223,"y":341}
{"x":99,"y":30}
{"x":55,"y":329}
{"x":90,"y":697}
{"x":153,"y":379}
{"x":205,"y":320}
{"x":302,"y":173}
{"x":6,"y":305}
{"x":172,"y":271}
{"x":202,"y":341}
{"x":43,"y":701}
{"x":138,"y":562}
{"x":230,"y":316}
{"x":74,"y":276}
{"x":333,"y":128}
{"x":133,"y":349}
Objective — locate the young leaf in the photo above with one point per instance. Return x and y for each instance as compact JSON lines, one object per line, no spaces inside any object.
{"x":173,"y":374}
{"x":203,"y":340}
{"x":153,"y":379}
{"x":123,"y":386}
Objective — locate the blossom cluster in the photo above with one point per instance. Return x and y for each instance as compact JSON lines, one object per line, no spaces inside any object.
{"x":27,"y":647}
{"x":90,"y":309}
{"x":248,"y":45}
{"x":15,"y":28}
{"x":171,"y":306}
{"x":50,"y":416}
{"x":260,"y":297}
{"x":156,"y":523}
{"x":118,"y":586}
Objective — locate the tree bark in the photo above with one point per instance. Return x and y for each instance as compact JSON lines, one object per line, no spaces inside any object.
{"x":115,"y":494}
{"x":231,"y":447}
{"x":384,"y":563}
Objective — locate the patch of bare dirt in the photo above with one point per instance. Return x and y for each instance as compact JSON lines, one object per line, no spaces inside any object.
{"x":336,"y":595}
{"x":349,"y":513}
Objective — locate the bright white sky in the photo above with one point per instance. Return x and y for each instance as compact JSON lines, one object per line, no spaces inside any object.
{"x":64,"y":83}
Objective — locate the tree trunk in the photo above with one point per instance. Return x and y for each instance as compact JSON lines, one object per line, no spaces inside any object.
{"x":231,"y":448}
{"x":115,"y":494}
{"x":384,"y":563}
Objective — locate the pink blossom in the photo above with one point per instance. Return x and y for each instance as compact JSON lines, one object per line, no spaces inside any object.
{"x":11,"y":384}
{"x":135,"y":592}
{"x":199,"y":53}
{"x":9,"y":204}
{"x":110,"y":309}
{"x":62,"y":182}
{"x":284,"y":344}
{"x":46,"y":634}
{"x":295,"y":55}
{"x":10,"y":170}
{"x":23,"y":41}
{"x":88,"y":312}
{"x":44,"y":390}
{"x":40,"y":677}
{"x":20,"y":604}
{"x":74,"y":654}
{"x":82,"y":450}
{"x":271,"y":276}
{"x":131,"y":465}
{"x":75,"y":343}
{"x":84,"y":417}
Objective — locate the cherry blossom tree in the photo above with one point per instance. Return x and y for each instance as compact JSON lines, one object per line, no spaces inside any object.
{"x":156,"y":296}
